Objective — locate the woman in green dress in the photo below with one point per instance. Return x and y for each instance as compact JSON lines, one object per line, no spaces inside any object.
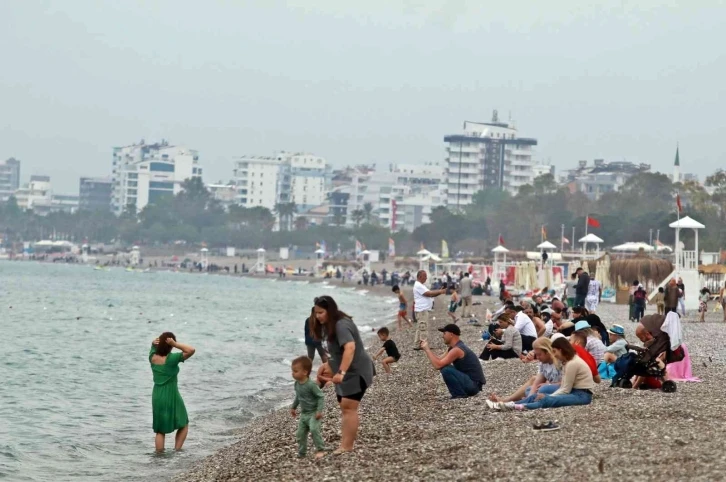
{"x":168,"y":408}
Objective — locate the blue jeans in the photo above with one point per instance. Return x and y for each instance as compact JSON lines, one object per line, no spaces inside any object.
{"x":547,"y":389}
{"x":575,"y":397}
{"x":459,"y":383}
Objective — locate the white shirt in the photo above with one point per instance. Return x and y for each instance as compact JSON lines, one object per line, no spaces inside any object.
{"x":421,"y":302}
{"x":549,"y":328}
{"x":523,"y":324}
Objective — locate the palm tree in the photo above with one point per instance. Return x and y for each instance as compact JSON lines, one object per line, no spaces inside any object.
{"x":285,"y":213}
{"x":301,"y":223}
{"x":368,"y":212}
{"x":357,"y":216}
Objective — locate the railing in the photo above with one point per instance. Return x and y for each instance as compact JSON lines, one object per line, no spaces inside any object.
{"x":688,"y":260}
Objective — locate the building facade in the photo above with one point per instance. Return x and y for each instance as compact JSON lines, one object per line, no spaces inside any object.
{"x":38,"y":196}
{"x":9,"y":178}
{"x":225,"y":194}
{"x":145,"y":173}
{"x":299,"y":178}
{"x":487,"y":155}
{"x":387,"y":196}
{"x":94,"y":194}
{"x":601,"y":177}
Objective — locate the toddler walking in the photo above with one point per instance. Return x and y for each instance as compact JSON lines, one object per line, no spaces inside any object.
{"x":312,"y":402}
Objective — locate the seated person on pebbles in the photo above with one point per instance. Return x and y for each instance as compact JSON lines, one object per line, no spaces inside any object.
{"x":524,"y":325}
{"x":546,"y":381}
{"x":509,"y":344}
{"x":593,"y":343}
{"x":575,"y":388}
{"x":460,"y":368}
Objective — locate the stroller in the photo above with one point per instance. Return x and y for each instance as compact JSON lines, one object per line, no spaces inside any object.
{"x":650,"y":361}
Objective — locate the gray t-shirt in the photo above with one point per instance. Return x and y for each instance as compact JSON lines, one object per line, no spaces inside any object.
{"x":360,"y":368}
{"x":465,"y":286}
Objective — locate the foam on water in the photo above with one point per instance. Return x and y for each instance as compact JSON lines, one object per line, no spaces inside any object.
{"x":76,"y":398}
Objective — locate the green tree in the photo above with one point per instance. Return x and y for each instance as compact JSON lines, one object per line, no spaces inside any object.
{"x":358,"y":215}
{"x":368,"y":212}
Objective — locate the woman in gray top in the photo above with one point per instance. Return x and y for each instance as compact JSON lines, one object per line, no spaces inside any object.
{"x":349,"y":361}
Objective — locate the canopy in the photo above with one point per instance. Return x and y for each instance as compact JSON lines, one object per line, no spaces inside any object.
{"x":261,"y":250}
{"x":500,"y":249}
{"x":633,"y":247}
{"x":319,"y":251}
{"x":431,"y":257}
{"x":546,"y":245}
{"x":687,"y":222}
{"x":591,"y":238}
{"x":424,"y":252}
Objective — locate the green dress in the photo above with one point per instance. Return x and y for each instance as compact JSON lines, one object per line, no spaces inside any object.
{"x":170,"y":414}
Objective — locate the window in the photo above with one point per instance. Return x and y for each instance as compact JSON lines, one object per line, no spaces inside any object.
{"x":161,"y":185}
{"x":162,"y":167}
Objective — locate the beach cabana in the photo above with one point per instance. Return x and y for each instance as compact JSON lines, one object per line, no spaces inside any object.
{"x":500,"y":263}
{"x":591,"y":238}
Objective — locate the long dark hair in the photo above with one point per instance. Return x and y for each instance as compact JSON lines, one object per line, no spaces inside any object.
{"x":163,"y":349}
{"x":565,"y":347}
{"x":334,"y":316}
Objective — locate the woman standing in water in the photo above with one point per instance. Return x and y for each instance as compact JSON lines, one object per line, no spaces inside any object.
{"x":352,"y":367}
{"x":168,"y":408}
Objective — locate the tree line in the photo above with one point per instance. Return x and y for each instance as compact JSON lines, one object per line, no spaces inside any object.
{"x":645,"y":202}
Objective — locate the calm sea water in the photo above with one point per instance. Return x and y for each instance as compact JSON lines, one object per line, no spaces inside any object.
{"x":75,"y":397}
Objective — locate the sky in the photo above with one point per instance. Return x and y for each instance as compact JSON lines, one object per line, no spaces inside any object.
{"x":359,"y":82}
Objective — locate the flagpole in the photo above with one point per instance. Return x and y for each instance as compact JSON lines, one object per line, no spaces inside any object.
{"x":562,"y":239}
{"x":678,"y":230}
{"x":499,"y":239}
{"x":572,"y":241}
{"x":584,"y":245}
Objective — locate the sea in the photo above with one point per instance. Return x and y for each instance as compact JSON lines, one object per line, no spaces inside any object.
{"x":75,"y":382}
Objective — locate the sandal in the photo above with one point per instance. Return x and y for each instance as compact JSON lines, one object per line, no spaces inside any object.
{"x":546,"y":427}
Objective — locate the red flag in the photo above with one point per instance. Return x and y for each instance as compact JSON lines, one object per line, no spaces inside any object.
{"x":592,"y":222}
{"x":565,"y":240}
{"x":501,"y":240}
{"x":678,"y":203}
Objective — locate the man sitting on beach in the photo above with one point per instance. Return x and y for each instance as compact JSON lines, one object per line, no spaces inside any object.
{"x":423,"y":299}
{"x":460,"y":367}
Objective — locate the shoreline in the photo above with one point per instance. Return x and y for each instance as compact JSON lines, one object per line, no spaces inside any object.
{"x":411,"y":430}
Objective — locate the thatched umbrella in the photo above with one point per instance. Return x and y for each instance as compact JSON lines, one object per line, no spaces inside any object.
{"x":642,"y":267}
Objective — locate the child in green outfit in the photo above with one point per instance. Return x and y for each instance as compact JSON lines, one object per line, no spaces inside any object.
{"x":312,"y":401}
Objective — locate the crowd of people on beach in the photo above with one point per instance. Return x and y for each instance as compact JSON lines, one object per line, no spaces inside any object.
{"x":573,"y":349}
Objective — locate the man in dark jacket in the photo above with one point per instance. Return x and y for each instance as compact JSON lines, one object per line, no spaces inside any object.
{"x":583,"y":282}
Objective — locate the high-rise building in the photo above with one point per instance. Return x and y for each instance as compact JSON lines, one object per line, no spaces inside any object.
{"x":38,"y":196}
{"x":94,"y":194}
{"x":9,"y":178}
{"x":285,"y":177}
{"x":145,"y":173}
{"x":487,"y":155}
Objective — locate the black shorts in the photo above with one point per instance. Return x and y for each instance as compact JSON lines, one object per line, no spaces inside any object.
{"x":356,"y":396}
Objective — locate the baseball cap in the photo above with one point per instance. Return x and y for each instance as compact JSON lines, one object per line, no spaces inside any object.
{"x":451,"y":328}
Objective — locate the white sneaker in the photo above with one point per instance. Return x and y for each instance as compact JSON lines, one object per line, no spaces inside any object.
{"x":500,"y":406}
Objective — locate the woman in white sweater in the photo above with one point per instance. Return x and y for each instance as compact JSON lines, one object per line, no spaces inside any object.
{"x":575,"y":388}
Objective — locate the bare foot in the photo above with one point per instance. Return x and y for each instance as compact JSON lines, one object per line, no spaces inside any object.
{"x":493,"y":397}
{"x":319,"y":455}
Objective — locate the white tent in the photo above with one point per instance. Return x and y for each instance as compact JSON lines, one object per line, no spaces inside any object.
{"x":633,"y":247}
{"x":423,"y":252}
{"x":500,"y":249}
{"x":687,"y":223}
{"x":546,"y":245}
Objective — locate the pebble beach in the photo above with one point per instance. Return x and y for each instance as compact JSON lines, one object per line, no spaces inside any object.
{"x":410,"y":429}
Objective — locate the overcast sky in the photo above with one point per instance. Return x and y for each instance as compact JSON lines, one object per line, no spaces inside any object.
{"x":380,"y":82}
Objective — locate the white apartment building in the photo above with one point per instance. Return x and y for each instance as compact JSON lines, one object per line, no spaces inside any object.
{"x":486,"y":155}
{"x":285,"y":177}
{"x":38,"y":196}
{"x":388,"y":193}
{"x":144,"y":173}
{"x":601,"y":177}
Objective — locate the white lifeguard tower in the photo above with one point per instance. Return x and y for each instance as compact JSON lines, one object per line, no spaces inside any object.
{"x":365,"y":257}
{"x":499,"y":269}
{"x":544,"y":275}
{"x":204,"y":258}
{"x":259,"y":266}
{"x":591,"y":238}
{"x":84,"y":253}
{"x":686,"y":261}
{"x":424,"y":256}
{"x":319,"y":258}
{"x":135,"y":257}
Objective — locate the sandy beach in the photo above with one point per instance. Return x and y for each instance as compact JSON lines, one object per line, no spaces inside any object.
{"x":411,"y":430}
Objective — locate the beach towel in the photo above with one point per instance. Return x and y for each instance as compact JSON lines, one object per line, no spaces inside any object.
{"x":681,"y":371}
{"x":672,"y":326}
